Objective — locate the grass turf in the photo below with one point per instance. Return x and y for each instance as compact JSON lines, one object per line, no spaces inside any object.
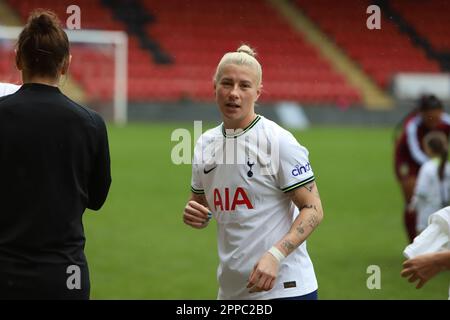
{"x":139,"y":248}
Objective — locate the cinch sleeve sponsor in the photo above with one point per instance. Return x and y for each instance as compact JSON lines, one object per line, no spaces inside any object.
{"x":196,"y":181}
{"x":295,"y":168}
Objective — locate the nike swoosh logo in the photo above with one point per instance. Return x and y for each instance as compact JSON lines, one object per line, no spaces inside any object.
{"x":208,"y":171}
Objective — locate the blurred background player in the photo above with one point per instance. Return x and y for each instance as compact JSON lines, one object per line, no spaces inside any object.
{"x":54,"y":163}
{"x":261,"y":235}
{"x":409,"y":150}
{"x":7,"y":88}
{"x":433,"y":181}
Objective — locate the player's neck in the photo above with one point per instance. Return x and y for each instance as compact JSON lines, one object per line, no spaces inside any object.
{"x":239,"y":124}
{"x":42,"y":80}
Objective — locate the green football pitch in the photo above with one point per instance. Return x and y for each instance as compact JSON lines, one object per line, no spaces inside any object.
{"x":138,"y":247}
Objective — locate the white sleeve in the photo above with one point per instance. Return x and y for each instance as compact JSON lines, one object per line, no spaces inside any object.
{"x":294,"y":167}
{"x":196,"y":181}
{"x":414,"y":145}
{"x":432,"y":239}
{"x":442,"y":217}
{"x":7,"y":88}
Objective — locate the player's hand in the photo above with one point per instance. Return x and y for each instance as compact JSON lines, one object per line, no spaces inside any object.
{"x":421,"y":268}
{"x":196,"y":215}
{"x":264,"y":274}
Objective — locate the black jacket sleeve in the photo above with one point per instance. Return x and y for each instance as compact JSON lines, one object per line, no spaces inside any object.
{"x":100,"y":177}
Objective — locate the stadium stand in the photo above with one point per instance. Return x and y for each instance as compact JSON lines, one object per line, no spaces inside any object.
{"x":430,"y":18}
{"x":97,"y":76}
{"x":7,"y":66}
{"x":94,"y":16}
{"x":195,"y":35}
{"x":175,"y":46}
{"x":381,"y":53}
{"x":427,"y":23}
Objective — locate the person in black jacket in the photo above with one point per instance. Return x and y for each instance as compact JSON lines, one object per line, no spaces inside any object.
{"x":54,"y":163}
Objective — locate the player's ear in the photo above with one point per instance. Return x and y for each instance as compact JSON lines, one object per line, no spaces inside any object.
{"x":18,"y":62}
{"x":66,"y":64}
{"x":258,"y":92}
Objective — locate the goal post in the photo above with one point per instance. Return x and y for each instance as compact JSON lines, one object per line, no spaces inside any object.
{"x":119,"y":40}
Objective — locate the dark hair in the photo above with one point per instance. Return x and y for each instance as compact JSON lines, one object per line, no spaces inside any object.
{"x":429,"y":102}
{"x":438,"y":147}
{"x":426,"y":102}
{"x":43,"y":46}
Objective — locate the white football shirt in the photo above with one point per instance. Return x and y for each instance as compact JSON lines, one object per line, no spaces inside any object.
{"x":245,"y":176}
{"x":430,"y":193}
{"x":7,"y":88}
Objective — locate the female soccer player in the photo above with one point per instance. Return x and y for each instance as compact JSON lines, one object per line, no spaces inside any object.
{"x":254,"y":178}
{"x":54,"y":163}
{"x":432,"y":191}
{"x":409,"y":150}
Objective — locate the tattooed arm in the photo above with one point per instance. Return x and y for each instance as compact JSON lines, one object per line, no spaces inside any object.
{"x":307,"y":199}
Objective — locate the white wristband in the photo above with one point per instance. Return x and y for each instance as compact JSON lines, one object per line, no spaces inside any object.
{"x":277,"y":253}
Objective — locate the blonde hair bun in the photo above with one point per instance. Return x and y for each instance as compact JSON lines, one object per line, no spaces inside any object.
{"x":243,"y":56}
{"x":246,"y":49}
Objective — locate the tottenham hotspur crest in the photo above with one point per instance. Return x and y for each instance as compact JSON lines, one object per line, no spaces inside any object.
{"x":250,"y":165}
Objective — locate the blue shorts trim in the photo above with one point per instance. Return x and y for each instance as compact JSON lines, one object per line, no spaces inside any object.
{"x":310,"y":296}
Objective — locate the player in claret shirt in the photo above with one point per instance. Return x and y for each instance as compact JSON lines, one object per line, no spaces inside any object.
{"x":255,"y":179}
{"x":409,"y":155}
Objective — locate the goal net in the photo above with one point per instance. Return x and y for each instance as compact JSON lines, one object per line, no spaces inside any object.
{"x":98,"y":73}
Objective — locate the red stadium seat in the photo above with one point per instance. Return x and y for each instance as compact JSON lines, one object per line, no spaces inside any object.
{"x":430,"y":18}
{"x":381,"y":53}
{"x":196,"y":34}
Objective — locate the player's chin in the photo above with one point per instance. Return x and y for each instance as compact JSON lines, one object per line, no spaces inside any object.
{"x":231,"y":112}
